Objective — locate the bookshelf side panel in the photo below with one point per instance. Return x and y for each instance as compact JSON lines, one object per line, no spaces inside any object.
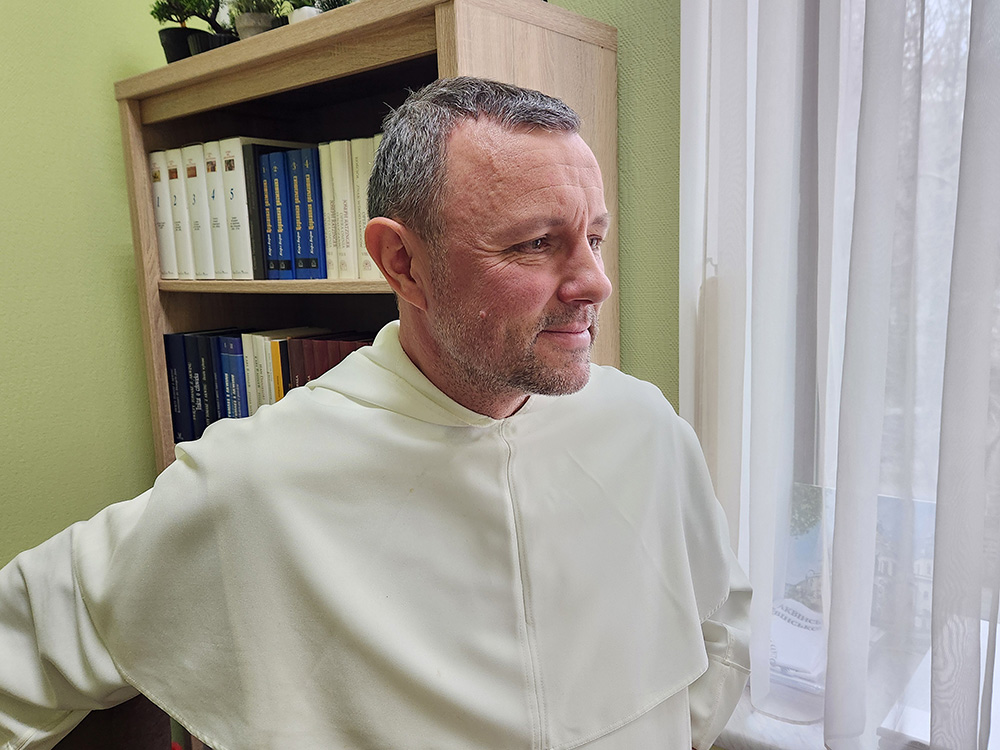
{"x":447,"y":43}
{"x":147,"y":268}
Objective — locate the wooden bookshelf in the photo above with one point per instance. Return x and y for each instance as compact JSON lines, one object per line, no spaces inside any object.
{"x":333,"y":77}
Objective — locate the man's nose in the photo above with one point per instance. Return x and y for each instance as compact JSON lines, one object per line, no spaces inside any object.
{"x":585,"y":280}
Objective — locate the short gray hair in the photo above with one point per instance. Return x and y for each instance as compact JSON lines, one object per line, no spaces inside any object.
{"x":408,"y":175}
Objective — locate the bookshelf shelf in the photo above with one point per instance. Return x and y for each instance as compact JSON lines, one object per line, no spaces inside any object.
{"x":298,"y":286}
{"x":333,"y":77}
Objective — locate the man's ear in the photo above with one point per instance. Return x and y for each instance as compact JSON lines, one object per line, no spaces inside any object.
{"x":400,"y":255}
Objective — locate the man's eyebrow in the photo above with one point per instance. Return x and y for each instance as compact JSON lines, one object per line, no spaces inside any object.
{"x":602,"y":222}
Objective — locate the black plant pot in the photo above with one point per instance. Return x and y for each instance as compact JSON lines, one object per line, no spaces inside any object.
{"x":203,"y":42}
{"x":174,"y":40}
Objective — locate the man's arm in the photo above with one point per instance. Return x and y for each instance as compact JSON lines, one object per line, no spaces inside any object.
{"x":714,"y":695}
{"x":54,"y":667}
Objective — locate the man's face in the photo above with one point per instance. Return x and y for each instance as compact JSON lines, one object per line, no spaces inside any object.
{"x":518,"y":279}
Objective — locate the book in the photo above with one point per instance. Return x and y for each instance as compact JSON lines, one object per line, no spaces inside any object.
{"x":279,"y":359}
{"x":322,"y":361}
{"x":297,"y":374}
{"x":243,"y":238}
{"x":196,"y":389}
{"x":303,"y":266}
{"x":263,"y":362}
{"x":262,"y":366}
{"x":362,"y":156}
{"x":231,"y":354}
{"x":260,"y":355}
{"x":267,"y":215}
{"x":329,"y":209}
{"x":253,"y":399}
{"x":323,"y":352}
{"x":309,"y":359}
{"x":194,"y":364}
{"x":345,"y":216}
{"x":296,"y":191}
{"x":162,"y":215}
{"x":280,"y":198}
{"x":225,"y":386}
{"x":179,"y":214}
{"x":240,"y":157}
{"x":279,"y":368}
{"x":212,"y":376}
{"x":310,"y":255}
{"x":177,"y":380}
{"x":355,"y":341}
{"x":243,"y":221}
{"x":315,"y":226}
{"x":217,"y":211}
{"x":193,"y":156}
{"x":345,"y":343}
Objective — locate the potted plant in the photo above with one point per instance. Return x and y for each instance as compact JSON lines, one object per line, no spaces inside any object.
{"x":177,"y":40}
{"x":251,"y":17}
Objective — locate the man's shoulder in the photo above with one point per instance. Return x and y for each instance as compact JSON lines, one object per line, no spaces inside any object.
{"x":611,"y":386}
{"x":275,"y":435}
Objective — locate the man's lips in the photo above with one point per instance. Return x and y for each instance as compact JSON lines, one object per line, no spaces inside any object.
{"x":578,"y":328}
{"x":572,"y":336}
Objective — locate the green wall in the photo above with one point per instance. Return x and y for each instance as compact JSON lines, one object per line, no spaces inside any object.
{"x":648,"y":180}
{"x":74,"y":422}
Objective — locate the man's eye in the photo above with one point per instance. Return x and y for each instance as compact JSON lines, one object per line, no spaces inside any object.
{"x":535,"y":245}
{"x":595,"y":243}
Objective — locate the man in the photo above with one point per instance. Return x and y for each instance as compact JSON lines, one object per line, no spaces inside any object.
{"x":464,"y":536}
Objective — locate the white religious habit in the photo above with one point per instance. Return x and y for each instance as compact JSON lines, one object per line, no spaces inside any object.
{"x":368,"y":564}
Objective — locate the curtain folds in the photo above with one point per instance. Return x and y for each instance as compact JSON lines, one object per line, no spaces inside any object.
{"x":965,"y":501}
{"x":840,"y":344}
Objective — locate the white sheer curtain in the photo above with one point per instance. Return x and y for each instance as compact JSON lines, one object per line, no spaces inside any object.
{"x":840,"y":344}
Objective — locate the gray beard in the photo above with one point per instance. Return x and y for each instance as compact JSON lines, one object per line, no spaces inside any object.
{"x":509,"y":374}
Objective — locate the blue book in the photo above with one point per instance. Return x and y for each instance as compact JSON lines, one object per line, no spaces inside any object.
{"x":220,"y":377}
{"x":232,"y":357}
{"x":315,"y":238}
{"x":224,"y":385}
{"x":206,"y":361}
{"x":229,"y":368}
{"x":280,"y":197}
{"x":180,"y":394}
{"x":296,"y":193}
{"x":212,"y":376}
{"x":267,"y":214}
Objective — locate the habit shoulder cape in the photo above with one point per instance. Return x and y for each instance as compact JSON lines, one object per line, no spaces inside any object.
{"x":369,"y":565}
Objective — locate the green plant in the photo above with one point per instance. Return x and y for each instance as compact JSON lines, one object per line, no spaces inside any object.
{"x":295,"y":4}
{"x":179,"y":11}
{"x":325,"y":5}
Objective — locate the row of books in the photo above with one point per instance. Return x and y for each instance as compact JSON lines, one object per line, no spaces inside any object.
{"x":230,"y":373}
{"x":253,"y":208}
